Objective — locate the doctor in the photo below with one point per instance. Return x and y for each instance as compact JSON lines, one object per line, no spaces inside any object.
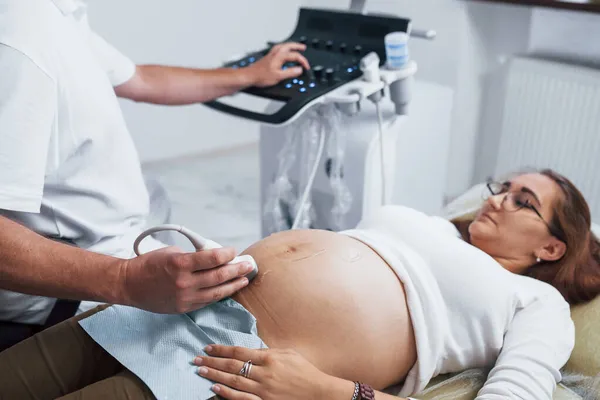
{"x":69,"y":170}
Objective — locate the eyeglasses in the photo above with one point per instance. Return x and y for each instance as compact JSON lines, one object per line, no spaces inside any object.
{"x":517,"y":200}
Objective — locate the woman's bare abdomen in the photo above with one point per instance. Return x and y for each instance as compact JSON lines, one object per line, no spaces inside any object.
{"x":335,"y":301}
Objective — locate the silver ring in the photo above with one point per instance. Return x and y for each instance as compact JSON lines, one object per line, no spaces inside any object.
{"x":245,"y":371}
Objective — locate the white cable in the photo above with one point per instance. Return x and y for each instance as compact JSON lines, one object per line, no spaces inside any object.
{"x":311,"y":179}
{"x":369,"y":65}
{"x":199,"y":242}
{"x":380,"y":124}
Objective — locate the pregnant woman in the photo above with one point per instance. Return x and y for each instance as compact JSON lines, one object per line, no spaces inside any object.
{"x":402,"y":298}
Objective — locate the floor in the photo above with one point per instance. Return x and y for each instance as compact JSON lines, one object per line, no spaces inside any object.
{"x":216,"y":196}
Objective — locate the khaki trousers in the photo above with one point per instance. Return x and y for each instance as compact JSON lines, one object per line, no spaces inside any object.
{"x":64,"y":363}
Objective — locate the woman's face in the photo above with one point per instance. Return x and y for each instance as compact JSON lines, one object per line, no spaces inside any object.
{"x":508,"y":227}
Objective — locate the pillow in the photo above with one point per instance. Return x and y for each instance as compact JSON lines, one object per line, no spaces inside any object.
{"x":465,"y":204}
{"x":466,"y":384}
{"x":585,"y":358}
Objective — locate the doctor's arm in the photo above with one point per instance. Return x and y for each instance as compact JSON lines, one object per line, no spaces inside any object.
{"x":178,"y":86}
{"x":35,"y":265}
{"x":163,"y":281}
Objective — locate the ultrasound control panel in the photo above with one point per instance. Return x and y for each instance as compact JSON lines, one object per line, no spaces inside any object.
{"x":336,"y":42}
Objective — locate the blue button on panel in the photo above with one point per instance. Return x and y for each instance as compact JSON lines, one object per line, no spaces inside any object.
{"x":288,"y":86}
{"x":243,"y":63}
{"x":349,"y":70}
{"x":302,"y":89}
{"x":252,"y":59}
{"x":235,"y":67}
{"x":312,"y":84}
{"x":300,"y":82}
{"x":295,"y":81}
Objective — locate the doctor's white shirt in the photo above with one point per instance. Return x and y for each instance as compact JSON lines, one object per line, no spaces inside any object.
{"x":68,"y":165}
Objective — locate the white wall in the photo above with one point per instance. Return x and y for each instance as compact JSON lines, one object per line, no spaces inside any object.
{"x":539,"y":32}
{"x":566,"y":35}
{"x":502,"y":31}
{"x":195,"y":33}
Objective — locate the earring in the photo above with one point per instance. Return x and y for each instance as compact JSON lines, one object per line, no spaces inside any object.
{"x":538,"y":260}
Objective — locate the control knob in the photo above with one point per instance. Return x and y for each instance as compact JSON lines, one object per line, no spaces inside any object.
{"x":318,"y":71}
{"x":329,"y":73}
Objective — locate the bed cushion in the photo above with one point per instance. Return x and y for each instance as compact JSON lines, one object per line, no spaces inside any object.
{"x":465,"y":385}
{"x":585,"y":358}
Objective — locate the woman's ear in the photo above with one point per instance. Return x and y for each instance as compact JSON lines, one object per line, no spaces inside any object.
{"x":553,"y":250}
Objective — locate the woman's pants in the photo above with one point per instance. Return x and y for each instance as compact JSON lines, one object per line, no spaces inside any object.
{"x":64,"y":363}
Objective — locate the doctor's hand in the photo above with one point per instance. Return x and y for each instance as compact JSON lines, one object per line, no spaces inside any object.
{"x":275,"y":374}
{"x":268,"y":71}
{"x":171,"y":281}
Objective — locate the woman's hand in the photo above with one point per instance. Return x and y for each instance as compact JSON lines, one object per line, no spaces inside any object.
{"x":275,"y":374}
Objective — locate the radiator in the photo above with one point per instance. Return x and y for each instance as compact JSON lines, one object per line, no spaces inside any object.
{"x":551,"y":118}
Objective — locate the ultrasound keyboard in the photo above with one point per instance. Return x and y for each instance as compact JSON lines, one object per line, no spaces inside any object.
{"x":336,"y":41}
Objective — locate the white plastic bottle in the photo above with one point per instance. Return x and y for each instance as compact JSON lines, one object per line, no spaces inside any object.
{"x":396,"y":50}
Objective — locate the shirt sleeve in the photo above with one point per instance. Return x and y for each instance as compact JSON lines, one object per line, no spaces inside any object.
{"x":27,"y":114}
{"x":117,"y":66}
{"x":537,"y":344}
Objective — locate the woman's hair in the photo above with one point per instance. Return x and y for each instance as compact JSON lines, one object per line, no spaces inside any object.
{"x":577,"y":274}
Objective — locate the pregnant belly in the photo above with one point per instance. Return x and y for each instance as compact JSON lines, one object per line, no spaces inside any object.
{"x":335,"y":301}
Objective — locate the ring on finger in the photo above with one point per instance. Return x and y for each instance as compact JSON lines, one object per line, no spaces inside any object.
{"x":245,"y":371}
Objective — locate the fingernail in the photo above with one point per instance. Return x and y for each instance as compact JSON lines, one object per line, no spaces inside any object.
{"x":215,"y":388}
{"x":203,"y":371}
{"x":208,"y":349}
{"x":244,"y":281}
{"x":197,"y":361}
{"x":247,"y":267}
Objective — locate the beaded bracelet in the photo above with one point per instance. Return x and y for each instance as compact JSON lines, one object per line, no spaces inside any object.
{"x":356,"y":391}
{"x":363,"y":392}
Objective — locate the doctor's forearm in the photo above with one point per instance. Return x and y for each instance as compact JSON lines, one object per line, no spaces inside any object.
{"x":179,"y":86}
{"x":32,"y":264}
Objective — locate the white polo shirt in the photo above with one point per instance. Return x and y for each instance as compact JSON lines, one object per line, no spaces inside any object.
{"x":68,"y":165}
